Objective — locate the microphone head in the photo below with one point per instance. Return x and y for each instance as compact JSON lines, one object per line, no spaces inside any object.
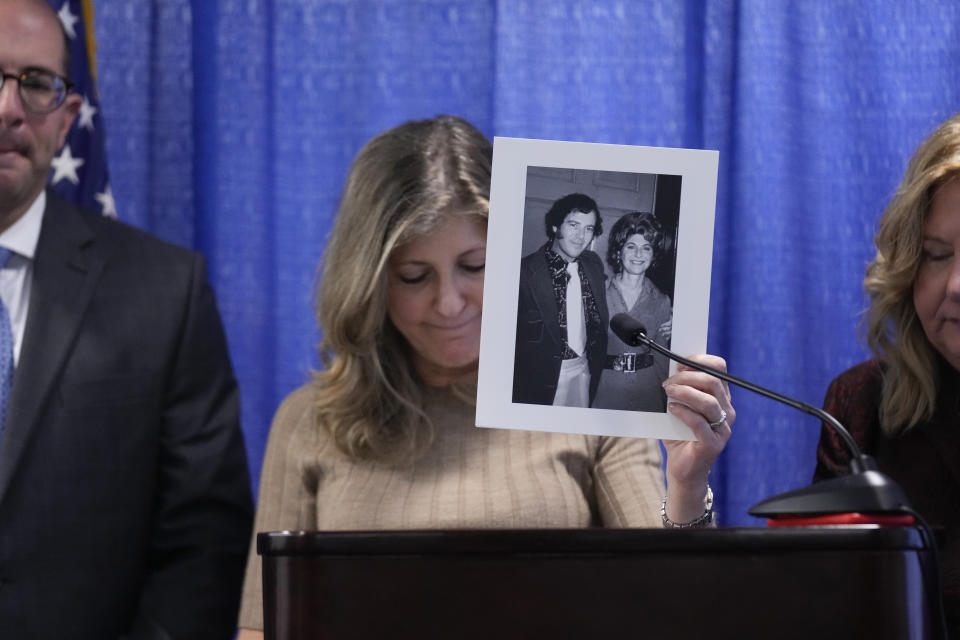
{"x":628,"y":329}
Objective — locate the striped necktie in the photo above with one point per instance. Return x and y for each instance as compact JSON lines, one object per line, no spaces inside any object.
{"x":6,"y":352}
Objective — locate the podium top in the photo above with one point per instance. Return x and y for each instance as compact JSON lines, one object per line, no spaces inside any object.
{"x":498,"y":541}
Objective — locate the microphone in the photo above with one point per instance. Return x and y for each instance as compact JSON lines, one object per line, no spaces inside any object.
{"x":865,"y":490}
{"x":865,"y":496}
{"x":630,"y":330}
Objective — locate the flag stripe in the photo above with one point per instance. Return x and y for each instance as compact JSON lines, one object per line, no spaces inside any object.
{"x":91,"y":43}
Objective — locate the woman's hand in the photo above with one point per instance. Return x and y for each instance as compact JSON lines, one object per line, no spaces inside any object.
{"x":666,"y":330}
{"x":702,"y":402}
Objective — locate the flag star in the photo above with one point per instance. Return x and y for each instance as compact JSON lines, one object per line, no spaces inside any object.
{"x":68,"y":20}
{"x":65,"y":166}
{"x":87,"y":111}
{"x":105,"y":198}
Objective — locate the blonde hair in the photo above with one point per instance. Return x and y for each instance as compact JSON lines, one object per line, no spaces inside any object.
{"x":893,"y":330}
{"x":403,"y":184}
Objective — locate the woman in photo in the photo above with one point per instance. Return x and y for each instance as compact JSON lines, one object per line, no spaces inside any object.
{"x":632,"y":378}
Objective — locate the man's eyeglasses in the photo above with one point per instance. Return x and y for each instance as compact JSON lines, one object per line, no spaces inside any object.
{"x":40,"y":91}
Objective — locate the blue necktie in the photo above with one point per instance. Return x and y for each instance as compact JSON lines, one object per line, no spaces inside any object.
{"x":6,"y":352}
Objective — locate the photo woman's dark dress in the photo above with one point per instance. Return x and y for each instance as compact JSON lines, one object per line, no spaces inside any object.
{"x":638,"y":390}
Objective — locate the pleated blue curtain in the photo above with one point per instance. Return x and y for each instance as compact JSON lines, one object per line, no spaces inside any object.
{"x":828,"y":101}
{"x":231,"y":125}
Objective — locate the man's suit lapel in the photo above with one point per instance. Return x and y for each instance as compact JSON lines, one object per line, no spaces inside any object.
{"x":542,"y":289}
{"x":67,"y":266}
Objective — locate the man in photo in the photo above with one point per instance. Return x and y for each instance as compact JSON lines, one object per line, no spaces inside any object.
{"x":562,"y":314}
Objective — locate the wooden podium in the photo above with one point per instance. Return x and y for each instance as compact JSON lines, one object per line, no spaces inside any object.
{"x":811,"y":583}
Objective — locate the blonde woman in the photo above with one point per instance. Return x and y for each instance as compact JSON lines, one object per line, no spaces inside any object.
{"x":384,"y":437}
{"x":903,"y":406}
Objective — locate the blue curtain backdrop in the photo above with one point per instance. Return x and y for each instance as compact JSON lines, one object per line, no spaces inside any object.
{"x":231,"y":124}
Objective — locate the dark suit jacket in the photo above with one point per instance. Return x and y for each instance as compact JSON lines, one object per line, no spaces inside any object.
{"x":125,"y":503}
{"x":540,"y":339}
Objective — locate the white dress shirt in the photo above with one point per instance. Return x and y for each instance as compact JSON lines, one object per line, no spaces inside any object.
{"x":17,"y":276}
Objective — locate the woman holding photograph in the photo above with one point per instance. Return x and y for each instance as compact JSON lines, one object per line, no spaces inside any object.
{"x":384,"y":437}
{"x":633,"y":377}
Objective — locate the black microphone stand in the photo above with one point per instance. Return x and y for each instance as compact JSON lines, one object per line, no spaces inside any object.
{"x":864,"y":490}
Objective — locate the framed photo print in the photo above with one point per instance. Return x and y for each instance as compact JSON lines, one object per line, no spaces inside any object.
{"x":580,"y":234}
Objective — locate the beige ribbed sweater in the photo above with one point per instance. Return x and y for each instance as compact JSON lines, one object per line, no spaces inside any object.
{"x":470,"y":478}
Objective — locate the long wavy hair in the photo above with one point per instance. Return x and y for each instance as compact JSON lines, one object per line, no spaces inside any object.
{"x":893,"y":330}
{"x":403,"y":184}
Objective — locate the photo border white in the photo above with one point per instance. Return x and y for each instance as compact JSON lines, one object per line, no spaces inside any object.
{"x":698,"y":191}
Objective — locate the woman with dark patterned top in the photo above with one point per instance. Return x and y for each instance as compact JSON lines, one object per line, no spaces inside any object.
{"x":903,"y":407}
{"x":632,"y":377}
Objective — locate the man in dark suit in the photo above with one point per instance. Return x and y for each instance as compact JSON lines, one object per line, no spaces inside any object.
{"x":125,"y":506}
{"x":562,"y":313}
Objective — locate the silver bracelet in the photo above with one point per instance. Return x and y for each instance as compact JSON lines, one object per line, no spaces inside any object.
{"x":703,"y":520}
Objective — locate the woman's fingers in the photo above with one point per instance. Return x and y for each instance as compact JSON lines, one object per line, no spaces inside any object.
{"x":701,"y":400}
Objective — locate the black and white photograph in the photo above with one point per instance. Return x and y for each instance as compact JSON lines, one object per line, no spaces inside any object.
{"x":596,"y":262}
{"x":596,"y":244}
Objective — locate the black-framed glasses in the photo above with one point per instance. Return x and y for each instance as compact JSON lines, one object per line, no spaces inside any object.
{"x":40,"y":91}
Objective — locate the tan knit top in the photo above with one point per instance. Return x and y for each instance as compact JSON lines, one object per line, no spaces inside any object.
{"x":470,"y":478}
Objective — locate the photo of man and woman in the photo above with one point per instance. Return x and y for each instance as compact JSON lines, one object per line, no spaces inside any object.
{"x":575,"y":276}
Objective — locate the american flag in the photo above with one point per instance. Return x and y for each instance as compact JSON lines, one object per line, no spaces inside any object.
{"x":79,"y":171}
